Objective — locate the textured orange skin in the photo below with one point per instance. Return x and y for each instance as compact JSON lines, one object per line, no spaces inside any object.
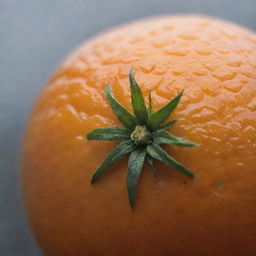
{"x":214,"y":214}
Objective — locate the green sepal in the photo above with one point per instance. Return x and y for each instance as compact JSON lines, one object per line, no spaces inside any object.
{"x":150,"y":162}
{"x":125,"y":117}
{"x":138,"y":103}
{"x":135,"y":165}
{"x":116,"y":154}
{"x":169,"y":124}
{"x":158,"y":117}
{"x":150,"y":105}
{"x":164,"y":137}
{"x":109,"y":133}
{"x":158,"y":153}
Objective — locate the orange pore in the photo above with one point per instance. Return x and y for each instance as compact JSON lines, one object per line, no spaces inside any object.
{"x":214,"y":214}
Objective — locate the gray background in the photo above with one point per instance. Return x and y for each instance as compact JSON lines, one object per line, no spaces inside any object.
{"x":34,"y":36}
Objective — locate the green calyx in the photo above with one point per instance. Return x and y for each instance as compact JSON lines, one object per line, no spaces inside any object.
{"x":142,"y":136}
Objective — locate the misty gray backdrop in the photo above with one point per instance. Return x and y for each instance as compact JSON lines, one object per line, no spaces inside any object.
{"x":35,"y":35}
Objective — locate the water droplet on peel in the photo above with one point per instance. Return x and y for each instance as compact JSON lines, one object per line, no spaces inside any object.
{"x":203,"y":51}
{"x":79,"y":138}
{"x":176,"y":51}
{"x":224,"y":75}
{"x":233,"y":86}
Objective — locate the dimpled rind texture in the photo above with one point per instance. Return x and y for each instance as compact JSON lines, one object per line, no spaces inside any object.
{"x":215,"y":213}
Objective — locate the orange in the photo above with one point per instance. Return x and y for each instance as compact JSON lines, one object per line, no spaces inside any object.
{"x":215,"y":214}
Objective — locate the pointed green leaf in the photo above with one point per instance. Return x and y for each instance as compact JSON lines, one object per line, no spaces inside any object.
{"x":164,"y":137}
{"x":169,"y":124}
{"x":109,"y":133}
{"x":138,"y":103}
{"x":116,"y":154}
{"x":158,"y":153}
{"x":158,"y":117}
{"x":135,"y":164}
{"x":150,"y":107}
{"x":125,"y":117}
{"x":150,"y":162}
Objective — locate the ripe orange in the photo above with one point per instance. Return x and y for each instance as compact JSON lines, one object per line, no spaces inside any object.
{"x":214,"y":214}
